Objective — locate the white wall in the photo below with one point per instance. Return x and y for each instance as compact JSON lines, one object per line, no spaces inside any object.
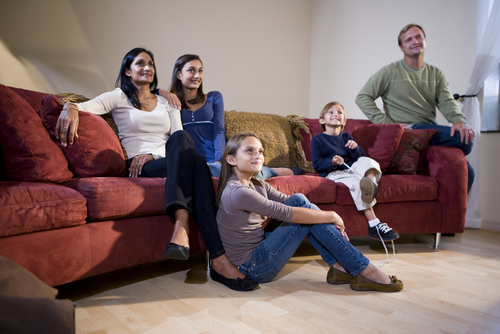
{"x":351,"y":40}
{"x":255,"y":52}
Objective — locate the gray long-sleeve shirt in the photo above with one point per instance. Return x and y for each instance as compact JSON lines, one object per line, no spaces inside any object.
{"x":242,"y":210}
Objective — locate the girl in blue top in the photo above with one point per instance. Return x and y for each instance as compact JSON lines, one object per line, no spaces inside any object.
{"x":203,"y":114}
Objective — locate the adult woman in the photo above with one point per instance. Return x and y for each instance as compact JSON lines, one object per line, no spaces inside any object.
{"x":151,"y":132}
{"x":203,"y":114}
{"x":244,"y":202}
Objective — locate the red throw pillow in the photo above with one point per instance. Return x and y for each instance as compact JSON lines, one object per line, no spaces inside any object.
{"x":28,"y":152}
{"x":97,"y":151}
{"x":379,"y":141}
{"x":412,"y":143}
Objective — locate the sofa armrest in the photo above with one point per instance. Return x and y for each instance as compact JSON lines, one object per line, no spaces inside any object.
{"x":448,"y":166}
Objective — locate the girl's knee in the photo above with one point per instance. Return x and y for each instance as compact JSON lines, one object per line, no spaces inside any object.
{"x":298,"y":199}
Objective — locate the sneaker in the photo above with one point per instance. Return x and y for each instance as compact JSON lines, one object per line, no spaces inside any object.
{"x":368,"y":189}
{"x":382,"y":232}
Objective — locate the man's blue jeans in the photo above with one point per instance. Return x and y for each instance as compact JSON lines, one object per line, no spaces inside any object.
{"x":443,"y":138}
{"x":279,"y":246}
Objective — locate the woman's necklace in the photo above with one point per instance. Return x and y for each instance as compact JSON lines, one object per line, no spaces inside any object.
{"x":147,"y":101}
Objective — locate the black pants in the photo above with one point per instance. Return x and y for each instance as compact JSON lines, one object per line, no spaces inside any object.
{"x":188,"y":186}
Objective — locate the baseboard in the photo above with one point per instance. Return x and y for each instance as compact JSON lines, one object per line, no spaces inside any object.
{"x":492,"y":226}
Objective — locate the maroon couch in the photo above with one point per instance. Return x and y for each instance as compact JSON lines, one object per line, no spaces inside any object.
{"x":67,"y":213}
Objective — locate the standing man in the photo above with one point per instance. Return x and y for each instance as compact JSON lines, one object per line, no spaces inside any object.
{"x":411,"y":90}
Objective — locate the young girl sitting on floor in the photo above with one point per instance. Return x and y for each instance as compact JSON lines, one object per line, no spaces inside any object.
{"x":244,"y":202}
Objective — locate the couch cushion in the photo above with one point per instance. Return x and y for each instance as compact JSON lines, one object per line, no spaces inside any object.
{"x":29,"y":207}
{"x":96,"y":152}
{"x":317,"y":189}
{"x":28,"y":152}
{"x":19,"y":282}
{"x":379,"y":141}
{"x":20,"y":315}
{"x":412,"y":143}
{"x":121,"y":197}
{"x":314,"y":129}
{"x":34,"y":99}
{"x":274,"y":132}
{"x":397,"y":188}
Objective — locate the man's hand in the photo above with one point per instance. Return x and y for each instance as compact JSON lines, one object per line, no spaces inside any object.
{"x":466,"y":132}
{"x":351,"y":144}
{"x":337,"y":160}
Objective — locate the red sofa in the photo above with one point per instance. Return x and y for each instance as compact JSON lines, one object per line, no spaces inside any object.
{"x":70,"y":213}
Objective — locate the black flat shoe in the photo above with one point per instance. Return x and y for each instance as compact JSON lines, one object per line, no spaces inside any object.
{"x":176,"y":252}
{"x":238,"y":284}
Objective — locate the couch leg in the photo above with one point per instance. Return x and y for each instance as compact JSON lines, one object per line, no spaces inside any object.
{"x":437,"y":239}
{"x":208,"y":260}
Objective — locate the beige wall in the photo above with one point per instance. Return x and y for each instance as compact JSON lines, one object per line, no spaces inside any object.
{"x":351,"y":40}
{"x":256,"y":53}
{"x":273,"y":56}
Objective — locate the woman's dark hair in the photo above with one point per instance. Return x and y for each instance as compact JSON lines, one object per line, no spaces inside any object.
{"x":176,"y":84}
{"x":124,"y":81}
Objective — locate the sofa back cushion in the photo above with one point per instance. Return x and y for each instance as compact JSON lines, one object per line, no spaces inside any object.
{"x":34,"y":99}
{"x":407,"y":156}
{"x":96,"y":151}
{"x":380,"y":142}
{"x":28,"y":152}
{"x":274,"y":132}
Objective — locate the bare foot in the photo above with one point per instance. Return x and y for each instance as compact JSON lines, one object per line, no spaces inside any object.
{"x":374,"y":274}
{"x":283,"y":171}
{"x":181,"y":229}
{"x":223,"y":266}
{"x":338,"y":266}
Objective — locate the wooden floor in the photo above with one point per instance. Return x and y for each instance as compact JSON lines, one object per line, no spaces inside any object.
{"x":455,"y":290}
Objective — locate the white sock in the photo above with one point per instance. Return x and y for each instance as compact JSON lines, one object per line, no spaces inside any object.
{"x":374,"y":222}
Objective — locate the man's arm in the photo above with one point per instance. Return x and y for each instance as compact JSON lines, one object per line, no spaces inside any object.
{"x":448,"y":106}
{"x":372,"y":90}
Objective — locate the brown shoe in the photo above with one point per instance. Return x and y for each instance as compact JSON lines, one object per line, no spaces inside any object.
{"x":360,"y":283}
{"x":336,"y":276}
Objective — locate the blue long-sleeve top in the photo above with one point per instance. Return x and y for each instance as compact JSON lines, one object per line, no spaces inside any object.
{"x":324,"y":147}
{"x":206,"y":127}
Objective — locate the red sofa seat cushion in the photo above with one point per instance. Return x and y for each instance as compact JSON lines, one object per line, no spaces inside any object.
{"x":121,"y":197}
{"x":317,"y":189}
{"x":397,"y":188}
{"x":97,"y":150}
{"x":30,"y":207}
{"x":28,"y":152}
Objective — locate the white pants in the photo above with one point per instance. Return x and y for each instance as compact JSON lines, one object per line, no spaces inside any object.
{"x":351,"y":179}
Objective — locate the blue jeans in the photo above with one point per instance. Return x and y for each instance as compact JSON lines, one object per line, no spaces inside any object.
{"x":279,"y":246}
{"x":264,"y":174}
{"x":188,"y":186}
{"x":443,"y":138}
